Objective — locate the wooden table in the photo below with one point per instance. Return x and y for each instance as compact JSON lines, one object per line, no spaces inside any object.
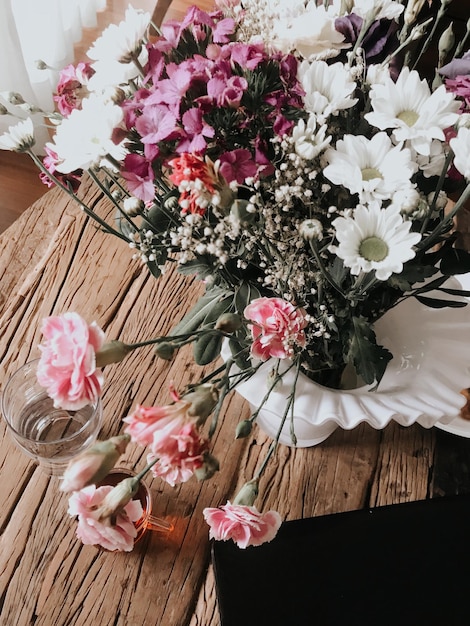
{"x":52,"y":261}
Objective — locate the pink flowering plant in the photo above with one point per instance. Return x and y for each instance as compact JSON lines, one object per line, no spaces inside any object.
{"x":291,"y":155}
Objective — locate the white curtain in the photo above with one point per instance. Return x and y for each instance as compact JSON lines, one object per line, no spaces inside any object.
{"x":45,"y":30}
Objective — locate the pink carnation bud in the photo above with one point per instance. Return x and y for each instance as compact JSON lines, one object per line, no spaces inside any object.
{"x":94,"y":464}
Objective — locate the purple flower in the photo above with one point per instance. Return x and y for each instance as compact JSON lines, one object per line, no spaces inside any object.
{"x":457,"y":67}
{"x":380,"y":39}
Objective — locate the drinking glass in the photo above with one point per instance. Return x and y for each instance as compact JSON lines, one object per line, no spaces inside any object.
{"x":51,"y":436}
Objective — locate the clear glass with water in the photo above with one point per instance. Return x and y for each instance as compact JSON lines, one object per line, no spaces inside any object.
{"x":51,"y":436}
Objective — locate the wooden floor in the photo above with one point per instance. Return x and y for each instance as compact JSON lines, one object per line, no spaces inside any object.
{"x":19,"y":182}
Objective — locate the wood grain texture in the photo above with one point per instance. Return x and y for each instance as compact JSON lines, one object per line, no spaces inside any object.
{"x":60,"y":261}
{"x":53,"y":260}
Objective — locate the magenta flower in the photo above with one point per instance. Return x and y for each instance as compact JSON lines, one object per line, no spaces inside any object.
{"x":67,"y":366}
{"x":116,"y":534}
{"x":460,"y":86}
{"x":277,"y":328}
{"x":50,"y":162}
{"x":196,"y":130}
{"x":157,"y":123}
{"x":138,"y":173}
{"x":226,"y":91}
{"x":237,"y":165}
{"x":245,"y":525}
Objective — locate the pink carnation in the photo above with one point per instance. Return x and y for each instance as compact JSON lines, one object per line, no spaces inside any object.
{"x":70,"y":89}
{"x":244,"y":524}
{"x":67,"y":366}
{"x":179,"y":455}
{"x":278,"y":326}
{"x":119,"y":535}
{"x":172,"y":436}
{"x":153,"y":425}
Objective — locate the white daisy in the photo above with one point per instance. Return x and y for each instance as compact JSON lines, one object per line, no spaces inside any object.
{"x":461,"y":147}
{"x":19,"y":137}
{"x":120,"y":42}
{"x":328,"y":88}
{"x":309,"y":140}
{"x":372,"y":168}
{"x":374,"y":239}
{"x":111,"y":73}
{"x":409,"y":107}
{"x":85,"y":137}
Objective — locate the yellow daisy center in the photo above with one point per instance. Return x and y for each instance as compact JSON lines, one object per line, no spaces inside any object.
{"x":368,"y":173}
{"x":409,"y":117}
{"x":373,"y":249}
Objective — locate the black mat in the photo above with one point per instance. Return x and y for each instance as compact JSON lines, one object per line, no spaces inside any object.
{"x":406,"y":564}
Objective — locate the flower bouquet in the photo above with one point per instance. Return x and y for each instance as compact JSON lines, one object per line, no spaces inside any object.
{"x":289,"y":155}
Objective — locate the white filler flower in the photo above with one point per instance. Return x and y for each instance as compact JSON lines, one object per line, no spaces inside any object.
{"x":409,"y":107}
{"x":85,"y":137}
{"x":372,"y":168}
{"x":461,"y":147}
{"x":375,"y":239}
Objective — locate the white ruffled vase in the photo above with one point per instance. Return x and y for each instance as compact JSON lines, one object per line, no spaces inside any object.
{"x":422,"y":383}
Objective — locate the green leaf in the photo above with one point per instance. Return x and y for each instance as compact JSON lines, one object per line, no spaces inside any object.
{"x":415,"y":273}
{"x":159,"y":218}
{"x":219,"y":308}
{"x":337,"y":271}
{"x":125,"y":225}
{"x":195,"y":317}
{"x":369,"y":359}
{"x":455,"y":261}
{"x":434,"y":284}
{"x":200,"y":267}
{"x":240,"y":356}
{"x":244,"y":295}
{"x":434,"y":303}
{"x":154,"y":269}
{"x":456,"y":292}
{"x":207,"y":348}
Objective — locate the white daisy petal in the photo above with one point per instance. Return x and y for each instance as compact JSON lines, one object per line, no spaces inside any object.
{"x":328,"y":88}
{"x":85,"y":137}
{"x":372,"y":168}
{"x":119,"y":42}
{"x":461,"y":147}
{"x":375,"y":239}
{"x":414,"y":113}
{"x":19,"y":137}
